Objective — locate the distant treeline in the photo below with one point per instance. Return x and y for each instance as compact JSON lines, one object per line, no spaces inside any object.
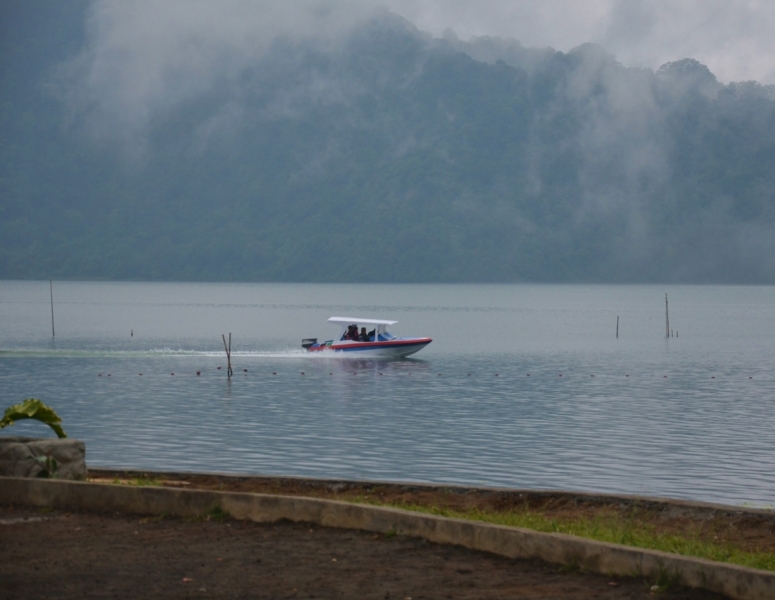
{"x":388,"y":156}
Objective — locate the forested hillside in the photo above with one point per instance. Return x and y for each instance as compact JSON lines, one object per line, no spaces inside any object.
{"x":386,"y":155}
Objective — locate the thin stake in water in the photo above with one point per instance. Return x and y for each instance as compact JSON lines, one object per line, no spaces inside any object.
{"x":229,"y":371}
{"x":667,"y":319}
{"x":51,"y":289}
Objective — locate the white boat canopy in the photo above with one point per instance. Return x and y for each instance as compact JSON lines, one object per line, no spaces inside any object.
{"x":349,"y":321}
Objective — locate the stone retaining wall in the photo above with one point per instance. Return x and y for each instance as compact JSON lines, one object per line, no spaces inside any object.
{"x":32,"y":457}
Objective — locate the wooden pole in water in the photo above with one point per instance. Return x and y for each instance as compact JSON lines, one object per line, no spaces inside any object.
{"x":667,"y":319}
{"x":51,"y":289}
{"x":617,"y":327}
{"x":228,"y":354}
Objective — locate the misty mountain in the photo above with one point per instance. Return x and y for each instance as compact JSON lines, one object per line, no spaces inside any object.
{"x":380,"y":154}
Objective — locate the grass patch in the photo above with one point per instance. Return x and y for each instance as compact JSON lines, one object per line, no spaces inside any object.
{"x":139,"y":482}
{"x":216,"y":513}
{"x":666,"y":581}
{"x":616,"y":529}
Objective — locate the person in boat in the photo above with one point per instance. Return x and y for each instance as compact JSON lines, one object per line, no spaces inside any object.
{"x":351,"y":333}
{"x":364,"y":337}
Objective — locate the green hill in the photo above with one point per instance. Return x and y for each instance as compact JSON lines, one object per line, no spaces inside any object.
{"x":386,"y":156}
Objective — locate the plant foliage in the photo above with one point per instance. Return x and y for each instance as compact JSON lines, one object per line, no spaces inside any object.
{"x":616,"y":529}
{"x":48,"y":466}
{"x":32,"y":408}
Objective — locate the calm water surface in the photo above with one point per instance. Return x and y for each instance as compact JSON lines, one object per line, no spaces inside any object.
{"x":523,"y":385}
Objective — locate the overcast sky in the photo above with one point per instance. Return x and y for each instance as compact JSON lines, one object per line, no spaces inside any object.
{"x":735,"y":38}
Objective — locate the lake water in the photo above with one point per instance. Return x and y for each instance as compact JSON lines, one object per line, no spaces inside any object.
{"x":523,"y":386}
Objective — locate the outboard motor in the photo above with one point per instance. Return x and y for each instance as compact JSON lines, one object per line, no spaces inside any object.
{"x":308,"y":342}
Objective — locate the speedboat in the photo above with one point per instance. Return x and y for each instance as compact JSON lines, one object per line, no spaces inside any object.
{"x":378,"y":342}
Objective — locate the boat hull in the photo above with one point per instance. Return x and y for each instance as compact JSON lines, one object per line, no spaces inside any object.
{"x":395,"y":348}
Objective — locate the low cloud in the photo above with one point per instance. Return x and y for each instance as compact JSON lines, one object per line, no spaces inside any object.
{"x":732,"y":37}
{"x":143,"y":58}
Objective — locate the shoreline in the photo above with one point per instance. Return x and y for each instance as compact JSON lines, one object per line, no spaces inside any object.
{"x":295,"y":484}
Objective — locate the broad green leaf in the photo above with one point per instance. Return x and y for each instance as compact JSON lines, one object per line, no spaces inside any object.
{"x":32,"y":408}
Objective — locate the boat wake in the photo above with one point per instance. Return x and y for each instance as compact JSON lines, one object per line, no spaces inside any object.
{"x":149,"y":353}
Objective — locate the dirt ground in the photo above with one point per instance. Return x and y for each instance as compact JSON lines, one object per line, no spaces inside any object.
{"x":752,"y":531}
{"x":53,"y":554}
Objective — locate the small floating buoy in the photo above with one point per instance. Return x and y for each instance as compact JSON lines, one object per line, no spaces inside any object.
{"x":750,"y":378}
{"x":302,"y":372}
{"x":140,"y":374}
{"x":219,"y":368}
{"x":591,"y":375}
{"x":626,"y":375}
{"x":469,"y":374}
{"x":100,"y":375}
{"x":198,"y":373}
{"x":273,"y":372}
{"x":439,"y":374}
{"x":245,"y":370}
{"x":496,"y":374}
{"x":528,"y":374}
{"x":108,"y":374}
{"x":560,"y":375}
{"x":332,"y":373}
{"x":172,"y":373}
{"x":664,"y":376}
{"x":355,"y":373}
{"x":712,"y":377}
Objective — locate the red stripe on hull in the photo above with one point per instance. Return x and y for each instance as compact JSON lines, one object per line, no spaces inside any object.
{"x":360,"y":346}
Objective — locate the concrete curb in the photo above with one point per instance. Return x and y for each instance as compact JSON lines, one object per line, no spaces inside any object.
{"x":733,"y":581}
